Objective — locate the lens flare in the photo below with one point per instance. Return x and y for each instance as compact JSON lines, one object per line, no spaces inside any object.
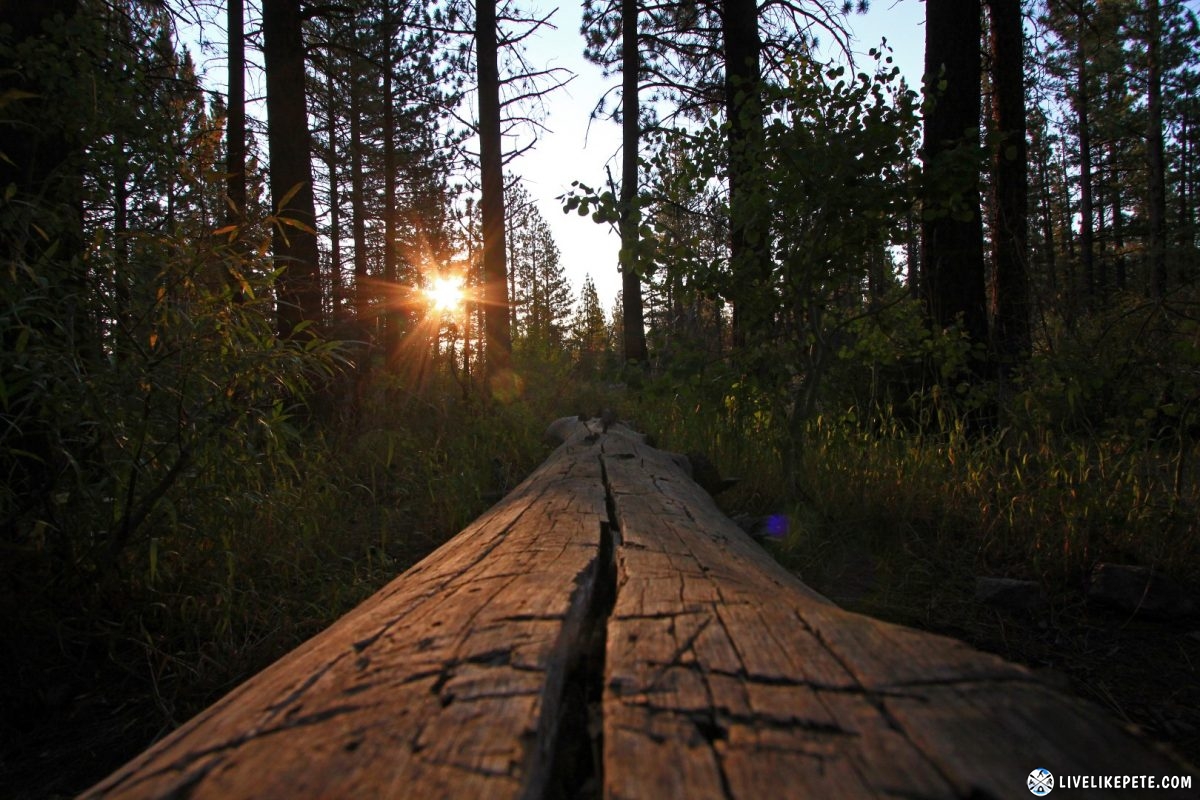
{"x":445,"y":294}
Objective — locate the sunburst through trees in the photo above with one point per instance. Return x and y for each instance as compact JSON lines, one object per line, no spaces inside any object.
{"x":445,"y":294}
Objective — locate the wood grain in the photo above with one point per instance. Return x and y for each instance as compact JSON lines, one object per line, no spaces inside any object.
{"x":606,"y":631}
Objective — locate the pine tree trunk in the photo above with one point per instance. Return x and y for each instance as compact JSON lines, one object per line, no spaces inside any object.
{"x":632,"y":318}
{"x":1118,"y":231}
{"x":295,"y":248}
{"x":235,"y":130}
{"x":1049,"y":246}
{"x":392,"y":317}
{"x":1156,"y":210}
{"x":498,"y":332}
{"x":750,"y":268}
{"x":1010,"y":251}
{"x":952,"y":243}
{"x":336,"y":288}
{"x":1086,"y":198}
{"x":358,"y":205}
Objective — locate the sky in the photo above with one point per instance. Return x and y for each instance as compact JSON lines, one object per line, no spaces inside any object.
{"x":570,"y":151}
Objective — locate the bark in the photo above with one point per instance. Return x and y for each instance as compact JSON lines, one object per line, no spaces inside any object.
{"x":235,"y":127}
{"x":392,"y":317}
{"x":358,"y":205}
{"x":336,"y":288}
{"x":1048,"y":245}
{"x":632,"y":318}
{"x":1118,"y":229}
{"x":1156,"y":210}
{"x":749,"y":263}
{"x":295,"y":245}
{"x":1086,"y":197}
{"x":1010,"y":248}
{"x":952,"y":243}
{"x":497,"y":330}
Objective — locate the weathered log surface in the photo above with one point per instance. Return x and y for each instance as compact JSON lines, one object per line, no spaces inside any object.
{"x":604,"y":629}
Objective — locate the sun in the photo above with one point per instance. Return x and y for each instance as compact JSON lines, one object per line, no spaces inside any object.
{"x":445,"y":294}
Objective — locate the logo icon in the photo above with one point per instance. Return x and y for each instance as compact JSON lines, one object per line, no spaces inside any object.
{"x":1040,"y":782}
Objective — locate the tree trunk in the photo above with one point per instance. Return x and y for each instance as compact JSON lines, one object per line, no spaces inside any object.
{"x":391,"y":274}
{"x":295,"y":244}
{"x":632,"y":318}
{"x":235,"y":133}
{"x":952,"y":238}
{"x":1156,"y":210}
{"x":498,"y":332}
{"x":912,"y":251}
{"x":1086,"y":201}
{"x":121,"y":276}
{"x":336,"y":288}
{"x":749,"y":265}
{"x":1118,"y":229}
{"x":1010,"y":278}
{"x":1049,"y":245}
{"x":358,"y":204}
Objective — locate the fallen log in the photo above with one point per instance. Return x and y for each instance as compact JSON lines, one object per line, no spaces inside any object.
{"x":605,"y":631}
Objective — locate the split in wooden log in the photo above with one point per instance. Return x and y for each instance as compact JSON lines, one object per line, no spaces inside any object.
{"x":605,"y":631}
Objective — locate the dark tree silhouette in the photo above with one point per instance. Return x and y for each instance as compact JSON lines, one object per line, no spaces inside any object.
{"x":289,"y":139}
{"x":632,"y":319}
{"x":497,"y":328}
{"x":952,"y":228}
{"x":1010,"y":281}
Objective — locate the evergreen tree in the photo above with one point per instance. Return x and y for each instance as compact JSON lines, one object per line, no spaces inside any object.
{"x":590,"y":329}
{"x":540,"y":292}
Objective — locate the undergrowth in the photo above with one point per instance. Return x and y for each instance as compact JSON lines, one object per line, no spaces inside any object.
{"x":1056,"y":483}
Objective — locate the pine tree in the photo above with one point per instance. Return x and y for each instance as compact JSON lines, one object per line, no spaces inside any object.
{"x":590,"y":331}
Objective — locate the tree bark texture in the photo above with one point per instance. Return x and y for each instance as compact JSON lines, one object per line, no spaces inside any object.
{"x":952,"y":238}
{"x":358,"y":205}
{"x":393,"y":297}
{"x":1087,"y":206}
{"x":749,"y":261}
{"x":498,"y":332}
{"x":1010,"y":248}
{"x":235,"y":126}
{"x":1156,"y":210}
{"x":295,"y":245}
{"x":632,"y":318}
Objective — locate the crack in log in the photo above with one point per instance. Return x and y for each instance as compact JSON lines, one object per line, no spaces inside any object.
{"x":566,"y":755}
{"x":274,"y":709}
{"x":714,"y":723}
{"x":191,"y":778}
